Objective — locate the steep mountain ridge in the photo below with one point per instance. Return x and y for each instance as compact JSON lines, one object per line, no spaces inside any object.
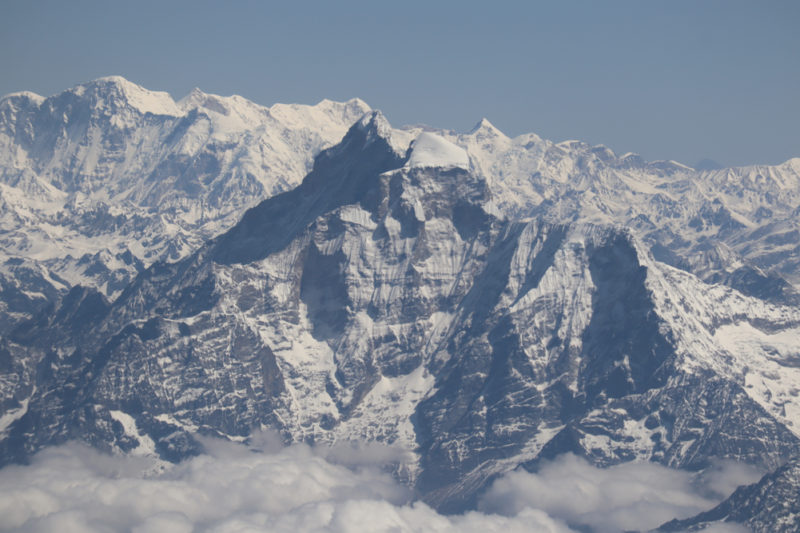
{"x":388,"y":301}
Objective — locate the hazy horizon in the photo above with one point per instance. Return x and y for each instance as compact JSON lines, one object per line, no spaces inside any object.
{"x":669,"y":80}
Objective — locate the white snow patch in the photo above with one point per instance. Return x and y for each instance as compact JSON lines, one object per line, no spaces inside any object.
{"x":429,"y":150}
{"x":12,"y":415}
{"x":770,"y":363}
{"x":391,"y":402}
{"x":155,"y":102}
{"x":146,"y":445}
{"x":171,"y":420}
{"x":24,"y":94}
{"x":358,"y":216}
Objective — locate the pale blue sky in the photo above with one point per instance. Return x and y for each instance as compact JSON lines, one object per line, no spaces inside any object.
{"x":674,"y":79}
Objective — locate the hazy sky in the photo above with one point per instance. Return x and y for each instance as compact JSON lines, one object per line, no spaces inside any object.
{"x":674,"y":79}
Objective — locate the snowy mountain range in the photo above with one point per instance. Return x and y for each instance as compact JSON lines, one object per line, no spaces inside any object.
{"x":102,"y":180}
{"x":214,"y":267}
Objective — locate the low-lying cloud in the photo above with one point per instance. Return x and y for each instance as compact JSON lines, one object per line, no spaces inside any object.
{"x":231,"y":488}
{"x":267,"y":487}
{"x":627,"y":497}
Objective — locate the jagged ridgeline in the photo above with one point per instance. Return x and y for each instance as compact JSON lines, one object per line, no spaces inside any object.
{"x":485,"y":302}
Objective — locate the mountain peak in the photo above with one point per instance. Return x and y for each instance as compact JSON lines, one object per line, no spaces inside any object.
{"x":353,"y":107}
{"x":193,"y":99}
{"x":26,"y":95}
{"x":375,"y":126}
{"x":137,"y":97}
{"x":356,"y":103}
{"x":210,"y":102}
{"x":430,"y":150}
{"x":113,"y":79}
{"x":486,"y":128}
{"x":374,"y":122}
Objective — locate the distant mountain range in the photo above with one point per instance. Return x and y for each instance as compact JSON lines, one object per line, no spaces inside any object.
{"x":210,"y":267}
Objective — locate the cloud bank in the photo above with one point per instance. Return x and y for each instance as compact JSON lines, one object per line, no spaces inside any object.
{"x":627,"y":497}
{"x":232,"y":488}
{"x":266,"y":487}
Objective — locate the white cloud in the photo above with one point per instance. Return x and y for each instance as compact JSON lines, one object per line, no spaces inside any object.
{"x":234,"y":488}
{"x":630,"y":496}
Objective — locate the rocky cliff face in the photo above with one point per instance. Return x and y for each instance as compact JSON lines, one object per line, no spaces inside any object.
{"x":395,"y":296}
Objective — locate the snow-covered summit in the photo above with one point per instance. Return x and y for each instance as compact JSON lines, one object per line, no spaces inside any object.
{"x":431,"y":150}
{"x":375,"y":126}
{"x":136,"y":96}
{"x":484,"y":128}
{"x":23,"y":95}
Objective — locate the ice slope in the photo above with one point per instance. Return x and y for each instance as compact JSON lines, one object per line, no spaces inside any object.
{"x":430,"y":150}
